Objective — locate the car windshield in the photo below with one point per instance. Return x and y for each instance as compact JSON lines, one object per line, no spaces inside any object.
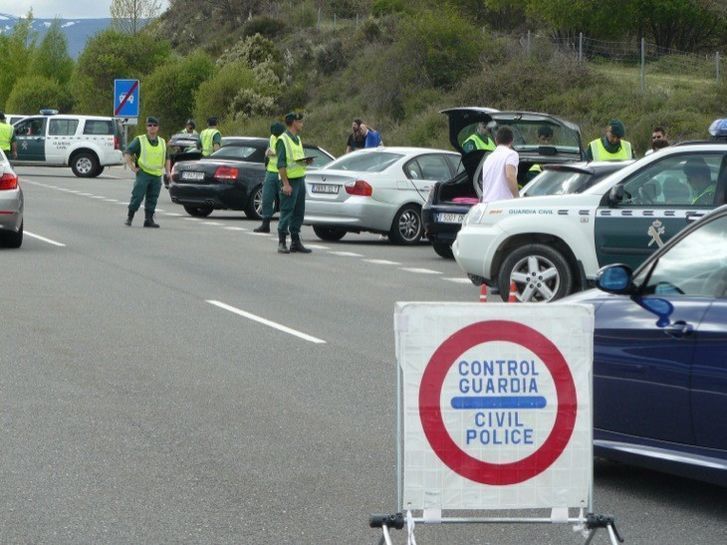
{"x":530,"y":135}
{"x":239,"y":153}
{"x":365,"y":162}
{"x":558,"y":182}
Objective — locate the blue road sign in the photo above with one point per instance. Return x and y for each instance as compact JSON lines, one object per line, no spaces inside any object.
{"x":126,"y":98}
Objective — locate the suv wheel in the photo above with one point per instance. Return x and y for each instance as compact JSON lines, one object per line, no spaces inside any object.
{"x":407,"y":225}
{"x":198,"y":211}
{"x":443,"y":249}
{"x":330,"y":234}
{"x":85,"y":165}
{"x":540,"y":273}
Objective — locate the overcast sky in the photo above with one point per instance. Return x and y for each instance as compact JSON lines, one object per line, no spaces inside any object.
{"x":64,"y":9}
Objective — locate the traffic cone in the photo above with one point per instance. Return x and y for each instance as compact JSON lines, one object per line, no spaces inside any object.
{"x":512,"y":296}
{"x":483,"y":293}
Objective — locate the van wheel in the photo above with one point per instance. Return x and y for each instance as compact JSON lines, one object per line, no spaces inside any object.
{"x":254,"y":208}
{"x":443,"y":249}
{"x":540,"y":274}
{"x":198,"y":211}
{"x":85,"y":164}
{"x":407,"y":225}
{"x":329,"y":234}
{"x":14,"y":240}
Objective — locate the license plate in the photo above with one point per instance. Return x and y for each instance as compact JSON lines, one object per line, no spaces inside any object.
{"x":190,"y":175}
{"x":451,"y":218}
{"x":324,"y":188}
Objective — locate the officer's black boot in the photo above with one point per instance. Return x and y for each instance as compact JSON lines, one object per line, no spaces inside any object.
{"x":297,"y":246}
{"x":264,"y":226}
{"x":282,"y":247}
{"x":129,"y":218}
{"x":149,"y":221}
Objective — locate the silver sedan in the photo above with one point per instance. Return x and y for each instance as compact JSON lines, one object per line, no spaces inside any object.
{"x":379,"y":190}
{"x":11,"y":206}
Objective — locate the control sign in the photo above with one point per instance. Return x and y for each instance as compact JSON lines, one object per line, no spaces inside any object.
{"x":126,"y":98}
{"x":496,"y":405}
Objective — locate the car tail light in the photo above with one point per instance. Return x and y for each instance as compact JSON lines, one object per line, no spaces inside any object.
{"x":8,"y":181}
{"x":361,"y":188}
{"x":117,"y":142}
{"x":226,"y":173}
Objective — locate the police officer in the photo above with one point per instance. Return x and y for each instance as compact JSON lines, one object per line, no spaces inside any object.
{"x":700,"y":181}
{"x":210,"y":137}
{"x":7,"y":138}
{"x":479,"y":140}
{"x":545,"y":138}
{"x":291,"y":167}
{"x":190,"y":127}
{"x":270,"y":184}
{"x":147,"y":157}
{"x":612,"y":146}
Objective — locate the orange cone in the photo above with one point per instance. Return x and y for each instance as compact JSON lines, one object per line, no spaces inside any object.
{"x":483,"y":293}
{"x":512,"y":296}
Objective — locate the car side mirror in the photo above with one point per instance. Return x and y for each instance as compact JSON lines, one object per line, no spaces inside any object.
{"x":616,"y":195}
{"x":615,"y":279}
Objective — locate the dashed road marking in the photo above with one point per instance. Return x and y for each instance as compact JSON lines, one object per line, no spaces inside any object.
{"x":236,"y":229}
{"x":419,"y":271}
{"x":212,"y":223}
{"x":44,"y":239}
{"x":381,"y":262}
{"x":458,"y":280}
{"x":346,"y":254}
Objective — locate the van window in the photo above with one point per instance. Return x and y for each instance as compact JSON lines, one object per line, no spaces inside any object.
{"x":62,"y":127}
{"x":98,"y":126}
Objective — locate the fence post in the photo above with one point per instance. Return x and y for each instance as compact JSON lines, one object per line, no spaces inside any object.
{"x":643,"y":65}
{"x":318,"y":24}
{"x":580,"y":46}
{"x":716,"y":62}
{"x":528,"y":44}
{"x":334,"y":20}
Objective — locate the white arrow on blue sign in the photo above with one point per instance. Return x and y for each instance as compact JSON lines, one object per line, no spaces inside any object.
{"x":126,"y":98}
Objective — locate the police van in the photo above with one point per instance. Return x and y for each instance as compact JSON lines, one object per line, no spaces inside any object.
{"x":87,"y":144}
{"x":551,"y":246}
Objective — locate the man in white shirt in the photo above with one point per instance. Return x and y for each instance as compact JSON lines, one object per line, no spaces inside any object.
{"x":499,"y":171}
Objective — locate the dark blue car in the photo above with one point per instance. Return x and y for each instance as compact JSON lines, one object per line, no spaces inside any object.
{"x":660,"y":356}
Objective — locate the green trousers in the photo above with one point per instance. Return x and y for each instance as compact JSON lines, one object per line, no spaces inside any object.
{"x":270,"y":188}
{"x":292,"y":208}
{"x":146,"y":187}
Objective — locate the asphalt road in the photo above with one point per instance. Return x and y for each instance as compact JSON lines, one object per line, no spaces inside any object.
{"x":190,"y":385}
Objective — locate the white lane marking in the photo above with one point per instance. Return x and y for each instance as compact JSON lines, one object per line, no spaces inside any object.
{"x":346,"y":254}
{"x":111,"y":200}
{"x":160,"y":210}
{"x":86,"y":194}
{"x":264,"y":321}
{"x":458,"y":280}
{"x":236,"y":229}
{"x":192,"y":219}
{"x":382,"y":262}
{"x":98,"y":197}
{"x":419,"y":271}
{"x":175,"y":214}
{"x":318,"y":247}
{"x":258,"y":234}
{"x":49,"y":241}
{"x":212,"y":223}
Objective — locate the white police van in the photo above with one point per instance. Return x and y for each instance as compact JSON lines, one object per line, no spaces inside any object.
{"x":551,"y":246}
{"x":86,"y":143}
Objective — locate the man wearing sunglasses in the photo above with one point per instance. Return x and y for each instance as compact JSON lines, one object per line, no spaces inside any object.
{"x":147,"y":158}
{"x":658,"y":140}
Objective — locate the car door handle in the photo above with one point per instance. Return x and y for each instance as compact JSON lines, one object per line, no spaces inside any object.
{"x":679,"y":329}
{"x":694,"y":216}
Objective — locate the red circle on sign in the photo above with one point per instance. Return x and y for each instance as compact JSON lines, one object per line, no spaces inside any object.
{"x":430,"y":393}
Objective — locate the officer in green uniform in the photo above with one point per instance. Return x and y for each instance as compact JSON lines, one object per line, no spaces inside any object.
{"x":479,"y":140}
{"x":545,"y":138}
{"x":210,"y":137}
{"x":700,"y":181}
{"x":612,"y":146}
{"x":190,"y":127}
{"x":7,"y":138}
{"x":147,"y":157}
{"x":270,"y":184}
{"x":291,"y":168}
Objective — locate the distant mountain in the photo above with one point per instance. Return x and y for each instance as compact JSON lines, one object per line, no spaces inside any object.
{"x":77,"y":31}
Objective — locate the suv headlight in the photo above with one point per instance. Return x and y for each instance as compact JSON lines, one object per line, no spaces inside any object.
{"x":475,"y":214}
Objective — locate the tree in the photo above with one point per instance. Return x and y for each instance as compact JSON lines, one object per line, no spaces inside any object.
{"x":51,"y":58}
{"x":129,"y":15}
{"x":17,"y":51}
{"x":31,"y":93}
{"x":111,"y":55}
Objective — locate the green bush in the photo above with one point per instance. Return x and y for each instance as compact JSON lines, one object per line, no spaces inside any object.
{"x":387,"y":7}
{"x":32,"y":93}
{"x":252,"y":51}
{"x":169,"y":90}
{"x":268,"y":27}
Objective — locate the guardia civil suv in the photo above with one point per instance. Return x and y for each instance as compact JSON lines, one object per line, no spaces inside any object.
{"x":553,"y":245}
{"x":85,"y":143}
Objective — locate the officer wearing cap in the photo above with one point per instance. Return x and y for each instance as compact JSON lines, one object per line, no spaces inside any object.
{"x":147,"y":157}
{"x":270,"y":184}
{"x":291,"y":168}
{"x":7,"y":138}
{"x":612,"y":146}
{"x":190,"y":127}
{"x":479,"y":140}
{"x":210,"y":137}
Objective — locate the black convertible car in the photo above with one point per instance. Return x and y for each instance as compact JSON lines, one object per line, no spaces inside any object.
{"x":229,"y":179}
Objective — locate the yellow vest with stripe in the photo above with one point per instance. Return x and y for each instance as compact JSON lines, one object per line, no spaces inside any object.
{"x":480,"y":143}
{"x":600,"y":153}
{"x":6,"y":136}
{"x":293,"y":152}
{"x":207,"y":137}
{"x":152,"y":158}
{"x":273,"y":159}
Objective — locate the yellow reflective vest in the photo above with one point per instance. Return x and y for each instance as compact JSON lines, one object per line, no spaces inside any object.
{"x":6,"y":136}
{"x":295,"y":168}
{"x":207,"y":137}
{"x":600,"y":153}
{"x":273,"y":159}
{"x":152,"y":158}
{"x":480,"y":143}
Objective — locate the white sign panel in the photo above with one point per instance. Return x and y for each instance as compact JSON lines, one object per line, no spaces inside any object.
{"x":496,"y":405}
